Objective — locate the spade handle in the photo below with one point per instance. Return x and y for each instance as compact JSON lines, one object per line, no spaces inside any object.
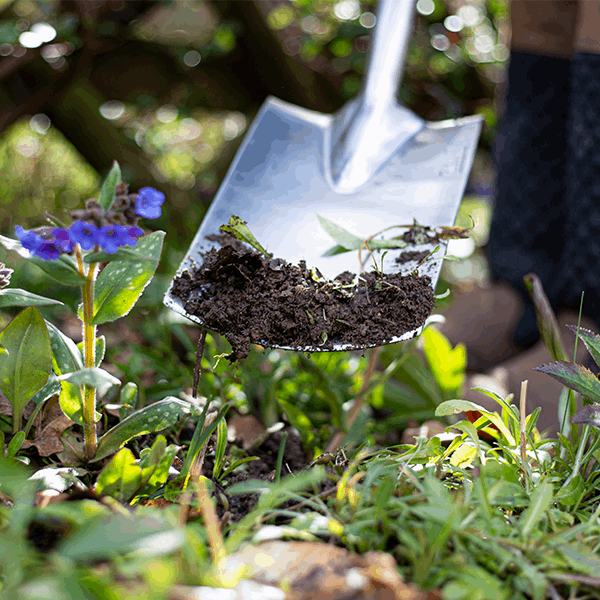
{"x":389,"y":46}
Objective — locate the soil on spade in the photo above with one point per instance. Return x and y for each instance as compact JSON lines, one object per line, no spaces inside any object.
{"x":250,"y":298}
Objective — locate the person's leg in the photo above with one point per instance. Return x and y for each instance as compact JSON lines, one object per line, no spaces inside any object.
{"x":581,"y":258}
{"x":530,"y":154}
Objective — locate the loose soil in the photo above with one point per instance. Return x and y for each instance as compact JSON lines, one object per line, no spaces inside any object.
{"x":250,"y":298}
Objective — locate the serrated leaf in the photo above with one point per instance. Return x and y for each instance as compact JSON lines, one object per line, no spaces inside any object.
{"x":18,"y":297}
{"x":588,"y":415}
{"x":546,"y":319}
{"x":109,"y":185}
{"x":121,"y":477}
{"x":573,"y":376}
{"x":238,"y":229}
{"x":64,"y":269}
{"x":591,"y":341}
{"x":94,"y":377}
{"x":121,"y":283}
{"x":26,"y":367}
{"x":152,"y":418}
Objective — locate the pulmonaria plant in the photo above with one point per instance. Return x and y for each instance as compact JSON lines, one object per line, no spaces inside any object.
{"x":105,"y":252}
{"x":94,"y":227}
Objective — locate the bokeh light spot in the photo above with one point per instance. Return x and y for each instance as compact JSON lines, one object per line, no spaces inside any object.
{"x":113,"y":109}
{"x":192,"y":58}
{"x":347,"y":10}
{"x":167,"y":113}
{"x":425,"y":7}
{"x":39,"y":123}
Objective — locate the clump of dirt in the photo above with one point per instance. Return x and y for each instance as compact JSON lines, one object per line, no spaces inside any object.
{"x":250,"y":298}
{"x":412,"y":255}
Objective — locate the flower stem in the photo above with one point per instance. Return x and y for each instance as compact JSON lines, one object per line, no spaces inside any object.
{"x":89,"y":356}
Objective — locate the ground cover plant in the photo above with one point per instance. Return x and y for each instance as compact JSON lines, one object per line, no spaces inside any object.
{"x":282,"y":477}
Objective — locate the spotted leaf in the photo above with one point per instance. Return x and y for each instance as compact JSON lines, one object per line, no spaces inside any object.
{"x":121,"y":282}
{"x":152,"y":418}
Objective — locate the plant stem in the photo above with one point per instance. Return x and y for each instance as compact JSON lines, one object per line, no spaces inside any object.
{"x":338,"y":436}
{"x":579,"y":456}
{"x":89,"y":356}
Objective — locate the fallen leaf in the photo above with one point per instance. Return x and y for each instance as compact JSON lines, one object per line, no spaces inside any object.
{"x":48,"y":432}
{"x":318,"y":571}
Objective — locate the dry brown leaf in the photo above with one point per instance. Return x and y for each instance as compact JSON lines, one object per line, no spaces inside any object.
{"x":48,"y":432}
{"x":318,"y":571}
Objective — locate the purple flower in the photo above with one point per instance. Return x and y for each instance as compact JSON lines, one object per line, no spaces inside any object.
{"x":48,"y":250}
{"x":29,"y":239}
{"x":63,"y":241}
{"x":133,"y":233}
{"x":111,"y":237}
{"x":148,"y":203}
{"x":84,"y":234}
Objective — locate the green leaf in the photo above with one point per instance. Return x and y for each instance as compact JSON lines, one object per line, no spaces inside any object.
{"x":298,"y":420}
{"x":67,"y":359}
{"x":238,"y":463}
{"x":15,"y":444}
{"x":574,"y":376}
{"x":121,"y":283}
{"x":347,"y":241}
{"x":453,"y":407}
{"x":121,"y":477}
{"x":109,"y":185}
{"x":17,"y":297}
{"x":152,"y":418}
{"x":572,"y":493}
{"x":344,"y":238}
{"x":539,"y":504}
{"x":220,"y":450}
{"x":239,"y":230}
{"x":64,"y":269}
{"x":447,"y":365}
{"x":546,"y":320}
{"x":591,"y":341}
{"x":160,"y":457}
{"x":106,"y":537}
{"x":66,"y":355}
{"x":124,"y":253}
{"x":94,"y":377}
{"x":26,"y":368}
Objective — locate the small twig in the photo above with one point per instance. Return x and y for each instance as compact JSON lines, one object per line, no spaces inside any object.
{"x":338,"y":436}
{"x":523,"y":416}
{"x":198,"y":365}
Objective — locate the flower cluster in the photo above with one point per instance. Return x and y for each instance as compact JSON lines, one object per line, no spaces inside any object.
{"x":95,"y":228}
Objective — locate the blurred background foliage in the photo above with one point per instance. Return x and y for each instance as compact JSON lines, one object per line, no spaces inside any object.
{"x":168,"y":87}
